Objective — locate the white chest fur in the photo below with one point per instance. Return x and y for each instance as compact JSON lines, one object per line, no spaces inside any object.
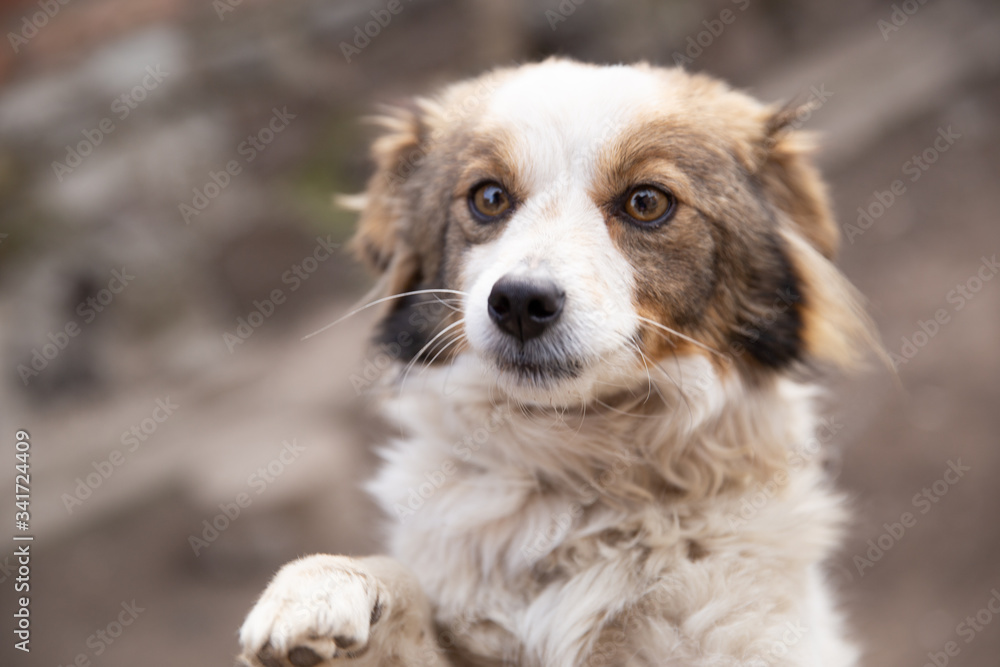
{"x":535,"y":525}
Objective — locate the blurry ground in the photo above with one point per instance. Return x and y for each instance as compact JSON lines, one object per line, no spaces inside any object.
{"x":220,"y":78}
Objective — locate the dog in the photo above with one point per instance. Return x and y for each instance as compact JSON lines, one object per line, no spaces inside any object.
{"x":607,"y":292}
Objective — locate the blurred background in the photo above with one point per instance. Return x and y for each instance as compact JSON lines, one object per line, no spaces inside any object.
{"x":167,"y":239}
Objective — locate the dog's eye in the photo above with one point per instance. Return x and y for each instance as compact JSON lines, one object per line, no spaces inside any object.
{"x":489,"y":201}
{"x":649,"y":206}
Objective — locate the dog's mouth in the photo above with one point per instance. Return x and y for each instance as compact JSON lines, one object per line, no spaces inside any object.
{"x":538,"y":370}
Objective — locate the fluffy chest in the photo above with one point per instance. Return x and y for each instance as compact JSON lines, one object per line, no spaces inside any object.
{"x":518,"y":544}
{"x":496,"y":551}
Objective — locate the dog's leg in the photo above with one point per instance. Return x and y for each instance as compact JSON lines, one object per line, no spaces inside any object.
{"x":326,"y":610}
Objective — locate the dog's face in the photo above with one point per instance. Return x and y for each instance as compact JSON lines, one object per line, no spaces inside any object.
{"x":585,"y":223}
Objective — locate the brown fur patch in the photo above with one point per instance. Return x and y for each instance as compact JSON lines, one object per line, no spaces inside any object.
{"x":722,"y":271}
{"x":796,"y":189}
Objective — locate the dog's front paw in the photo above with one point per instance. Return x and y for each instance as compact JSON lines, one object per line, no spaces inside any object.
{"x":316,"y":609}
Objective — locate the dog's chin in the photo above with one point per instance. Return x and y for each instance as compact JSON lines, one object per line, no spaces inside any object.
{"x":542,"y":373}
{"x":548,"y":380}
{"x":539,"y":377}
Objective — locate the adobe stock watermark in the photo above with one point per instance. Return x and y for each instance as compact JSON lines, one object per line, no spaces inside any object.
{"x":543,"y":540}
{"x":264,"y":309}
{"x":121,"y":108}
{"x":968,"y":629}
{"x":801,"y":456}
{"x":88,"y":310}
{"x":383,"y":358}
{"x":223,"y":7}
{"x":32,"y":23}
{"x":792,"y":633}
{"x":923,"y":501}
{"x":104,"y":637}
{"x":633,"y":621}
{"x":562,"y":12}
{"x":463,"y":451}
{"x":22,"y":617}
{"x":248,"y":149}
{"x":958,"y":297}
{"x":580,"y":161}
{"x":914,"y":168}
{"x":131,"y":440}
{"x":408,"y":342}
{"x":818,"y":96}
{"x":898,"y":17}
{"x":364,"y":34}
{"x":7,"y":568}
{"x":258,"y":482}
{"x":697,"y":43}
{"x":454,"y":115}
{"x":784,"y":299}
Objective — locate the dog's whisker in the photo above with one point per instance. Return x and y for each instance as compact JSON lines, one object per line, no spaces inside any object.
{"x":677,"y":385}
{"x":689,"y":339}
{"x":649,"y":380}
{"x":382,"y":300}
{"x":457,"y":338}
{"x":666,"y":337}
{"x":647,"y":362}
{"x":420,"y":352}
{"x":626,"y":413}
{"x":443,"y":302}
{"x":449,"y":303}
{"x":436,"y":350}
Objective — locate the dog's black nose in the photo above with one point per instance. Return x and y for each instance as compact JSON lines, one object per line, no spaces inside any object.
{"x":525,"y":307}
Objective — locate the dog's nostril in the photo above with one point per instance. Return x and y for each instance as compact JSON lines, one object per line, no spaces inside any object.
{"x":524,"y":308}
{"x":541,"y":309}
{"x":500,"y":304}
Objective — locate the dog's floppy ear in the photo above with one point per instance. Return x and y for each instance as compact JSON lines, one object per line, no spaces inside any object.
{"x":833,"y":325}
{"x":382,"y":239}
{"x":792,"y":182}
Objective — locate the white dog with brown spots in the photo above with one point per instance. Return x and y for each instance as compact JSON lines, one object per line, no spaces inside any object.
{"x":609,"y":285}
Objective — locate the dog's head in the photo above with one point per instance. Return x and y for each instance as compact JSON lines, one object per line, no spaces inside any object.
{"x":585,"y":223}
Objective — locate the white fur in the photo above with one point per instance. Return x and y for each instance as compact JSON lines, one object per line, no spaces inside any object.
{"x":563,"y":117}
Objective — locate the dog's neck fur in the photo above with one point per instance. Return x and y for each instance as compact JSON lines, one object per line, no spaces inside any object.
{"x":694,"y":436}
{"x":511,"y":496}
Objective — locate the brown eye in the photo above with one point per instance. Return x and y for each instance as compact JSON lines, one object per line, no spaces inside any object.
{"x":488,"y":201}
{"x":649,"y":206}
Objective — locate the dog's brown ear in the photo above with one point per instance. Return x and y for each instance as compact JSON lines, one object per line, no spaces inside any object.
{"x":793,"y":183}
{"x":381,"y":241}
{"x":836,"y":329}
{"x":834,"y":326}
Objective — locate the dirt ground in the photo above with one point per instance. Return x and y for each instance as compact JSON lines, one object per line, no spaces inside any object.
{"x":199,"y":421}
